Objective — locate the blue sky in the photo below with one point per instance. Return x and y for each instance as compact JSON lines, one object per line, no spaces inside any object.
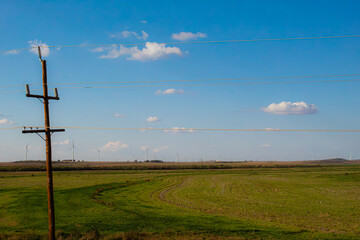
{"x":307,"y":106}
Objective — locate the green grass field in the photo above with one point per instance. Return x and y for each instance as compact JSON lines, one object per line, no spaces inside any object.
{"x":258,"y":203}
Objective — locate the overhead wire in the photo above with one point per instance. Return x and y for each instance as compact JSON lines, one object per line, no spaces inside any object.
{"x":185,"y":42}
{"x":16,"y":85}
{"x":10,"y":128}
{"x":208,"y":129}
{"x":11,"y":92}
{"x":17,"y":50}
{"x":200,"y":85}
{"x":215,"y":84}
{"x":188,"y":80}
{"x":202,"y":80}
{"x":211,"y":84}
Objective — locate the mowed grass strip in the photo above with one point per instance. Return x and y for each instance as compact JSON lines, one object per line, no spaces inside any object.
{"x":306,"y":201}
{"x":296,"y":203}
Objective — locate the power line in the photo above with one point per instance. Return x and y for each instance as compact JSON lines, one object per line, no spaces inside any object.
{"x":191,"y":80}
{"x":12,"y":92}
{"x":204,"y":80}
{"x":212,"y":84}
{"x":185,"y":42}
{"x":215,"y":41}
{"x":198,"y":129}
{"x":203,"y":85}
{"x":17,"y":85}
{"x":10,"y":128}
{"x":212,"y":129}
{"x":17,"y":50}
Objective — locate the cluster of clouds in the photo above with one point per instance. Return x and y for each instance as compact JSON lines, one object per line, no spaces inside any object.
{"x":285,"y":108}
{"x":154,"y":51}
{"x":143,"y":148}
{"x":151,"y":51}
{"x":176,"y":130}
{"x":184,"y":36}
{"x":173,"y":130}
{"x":65,"y":142}
{"x":153,"y":119}
{"x":128,"y":34}
{"x":181,"y":36}
{"x":114,"y":146}
{"x":169,"y":91}
{"x":5,"y":121}
{"x":45,"y":51}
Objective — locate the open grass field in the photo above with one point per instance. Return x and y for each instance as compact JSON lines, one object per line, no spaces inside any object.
{"x":101,"y":165}
{"x":244,"y":203}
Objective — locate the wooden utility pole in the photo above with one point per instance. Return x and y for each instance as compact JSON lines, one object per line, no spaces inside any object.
{"x":45,"y":99}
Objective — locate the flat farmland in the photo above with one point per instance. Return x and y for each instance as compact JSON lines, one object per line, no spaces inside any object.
{"x":295,"y":202}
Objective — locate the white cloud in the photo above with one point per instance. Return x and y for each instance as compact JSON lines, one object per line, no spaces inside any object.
{"x":128,"y":34}
{"x":118,"y":115}
{"x":265,"y":145}
{"x":183,"y":36}
{"x":11,"y":52}
{"x":151,"y":51}
{"x":179,"y":130}
{"x":144,"y":35}
{"x":125,"y":34}
{"x":155,"y":150}
{"x":45,"y":51}
{"x":4,"y":121}
{"x":143,"y":21}
{"x":169,"y":91}
{"x":114,"y":146}
{"x":98,"y":49}
{"x":145,"y":129}
{"x":66,"y":142}
{"x":291,"y":108}
{"x":143,"y":148}
{"x":153,"y":119}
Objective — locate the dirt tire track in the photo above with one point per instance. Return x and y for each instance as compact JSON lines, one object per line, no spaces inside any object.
{"x":162,"y":195}
{"x":99,"y":191}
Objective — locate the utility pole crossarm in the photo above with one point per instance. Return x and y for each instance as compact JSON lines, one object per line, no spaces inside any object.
{"x":28,"y":94}
{"x":42,"y":131}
